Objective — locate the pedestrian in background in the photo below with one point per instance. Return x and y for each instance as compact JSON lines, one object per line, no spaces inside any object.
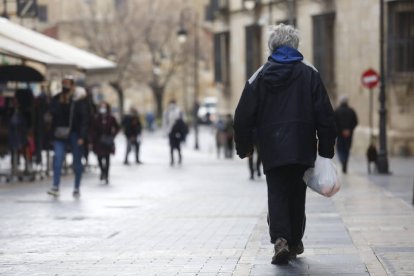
{"x":150,"y":118}
{"x":173,"y":130}
{"x":221,"y":137}
{"x":177,"y":136}
{"x":103,"y":132}
{"x":228,"y":128}
{"x":286,"y":102}
{"x":132,"y":129}
{"x":70,"y":127}
{"x":255,"y":168}
{"x":346,"y":121}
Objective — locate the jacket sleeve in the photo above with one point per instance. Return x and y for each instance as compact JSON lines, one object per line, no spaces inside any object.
{"x":324,"y":119}
{"x":245,"y":119}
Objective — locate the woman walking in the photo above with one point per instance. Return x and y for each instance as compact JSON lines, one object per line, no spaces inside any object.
{"x":103,"y":132}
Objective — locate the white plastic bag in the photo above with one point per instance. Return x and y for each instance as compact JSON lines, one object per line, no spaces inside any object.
{"x":323,"y":179}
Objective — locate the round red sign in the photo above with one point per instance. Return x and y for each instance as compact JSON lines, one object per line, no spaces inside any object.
{"x":370,"y":79}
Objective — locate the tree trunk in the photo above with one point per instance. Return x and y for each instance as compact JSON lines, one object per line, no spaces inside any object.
{"x":158,"y":93}
{"x":120,"y":92}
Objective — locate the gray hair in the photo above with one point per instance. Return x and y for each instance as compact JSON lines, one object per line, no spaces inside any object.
{"x":283,"y":35}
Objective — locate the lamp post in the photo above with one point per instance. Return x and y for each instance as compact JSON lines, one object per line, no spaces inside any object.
{"x":182,"y":35}
{"x":382,"y":154}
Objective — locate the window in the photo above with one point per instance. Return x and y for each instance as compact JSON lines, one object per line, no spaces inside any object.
{"x":222,"y":57}
{"x":253,"y":49}
{"x":42,"y":13}
{"x":324,"y":49}
{"x":401,"y":37}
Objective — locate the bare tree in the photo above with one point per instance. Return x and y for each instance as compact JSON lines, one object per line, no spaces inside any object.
{"x":141,"y":38}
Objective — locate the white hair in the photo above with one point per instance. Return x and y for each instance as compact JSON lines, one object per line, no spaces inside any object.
{"x":283,"y":35}
{"x":343,"y":99}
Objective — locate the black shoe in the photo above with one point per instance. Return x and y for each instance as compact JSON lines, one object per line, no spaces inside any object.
{"x":76,"y":193}
{"x":53,"y":192}
{"x":295,"y":250}
{"x":139,"y":162}
{"x":126,"y":163}
{"x":101,"y":177}
{"x":251,"y":177}
{"x":281,"y":255}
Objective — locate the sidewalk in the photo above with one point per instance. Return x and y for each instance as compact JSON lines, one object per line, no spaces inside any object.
{"x":204,"y":218}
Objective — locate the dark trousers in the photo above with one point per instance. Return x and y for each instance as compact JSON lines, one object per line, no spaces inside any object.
{"x":286,"y":201}
{"x":228,"y":153}
{"x":136,"y":146}
{"x":104,"y":163}
{"x":252,"y":167}
{"x":343,"y":145}
{"x":175,"y":144}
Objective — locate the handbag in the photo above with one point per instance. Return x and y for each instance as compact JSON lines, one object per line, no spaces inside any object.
{"x":64,"y":132}
{"x":106,"y":141}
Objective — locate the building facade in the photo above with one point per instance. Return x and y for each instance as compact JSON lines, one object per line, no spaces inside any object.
{"x":341,"y":38}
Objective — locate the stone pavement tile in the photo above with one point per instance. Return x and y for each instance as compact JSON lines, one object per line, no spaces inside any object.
{"x":381,"y":226}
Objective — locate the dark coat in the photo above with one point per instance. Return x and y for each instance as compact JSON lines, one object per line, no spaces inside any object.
{"x":60,"y":112}
{"x":345,"y":118}
{"x":18,"y":131}
{"x":103,"y":125}
{"x":132,"y":126}
{"x":289,"y":107}
{"x":178,"y":133}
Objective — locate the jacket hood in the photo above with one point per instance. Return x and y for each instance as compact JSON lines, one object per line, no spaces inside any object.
{"x":80,"y":93}
{"x":286,"y":55}
{"x":281,"y":69}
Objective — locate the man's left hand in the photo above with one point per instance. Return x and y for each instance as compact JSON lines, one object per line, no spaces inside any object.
{"x":80,"y":142}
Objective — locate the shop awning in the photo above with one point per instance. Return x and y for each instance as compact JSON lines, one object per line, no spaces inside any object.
{"x":15,"y":49}
{"x":23,"y":42}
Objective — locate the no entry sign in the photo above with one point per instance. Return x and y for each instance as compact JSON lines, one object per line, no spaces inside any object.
{"x":370,"y":79}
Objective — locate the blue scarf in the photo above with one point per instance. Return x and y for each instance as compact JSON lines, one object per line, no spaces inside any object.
{"x":286,"y":55}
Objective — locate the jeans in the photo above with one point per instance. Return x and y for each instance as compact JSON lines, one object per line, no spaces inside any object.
{"x":60,"y":147}
{"x":286,"y":202}
{"x":131,"y":144}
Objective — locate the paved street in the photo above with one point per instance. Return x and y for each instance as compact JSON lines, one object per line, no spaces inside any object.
{"x":203,"y":218}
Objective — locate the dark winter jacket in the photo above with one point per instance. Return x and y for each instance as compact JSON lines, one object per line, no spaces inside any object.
{"x":286,"y":102}
{"x":103,"y":126}
{"x":345,"y":118}
{"x":178,"y":133}
{"x":61,"y":112}
{"x":132,"y":126}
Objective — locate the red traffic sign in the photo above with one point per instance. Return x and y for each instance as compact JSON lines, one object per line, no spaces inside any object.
{"x":370,"y":79}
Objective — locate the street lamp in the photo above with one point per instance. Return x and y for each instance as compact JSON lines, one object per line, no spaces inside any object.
{"x":182,"y":35}
{"x":382,"y":154}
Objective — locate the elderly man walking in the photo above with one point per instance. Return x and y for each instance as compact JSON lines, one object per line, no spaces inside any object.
{"x":286,"y":102}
